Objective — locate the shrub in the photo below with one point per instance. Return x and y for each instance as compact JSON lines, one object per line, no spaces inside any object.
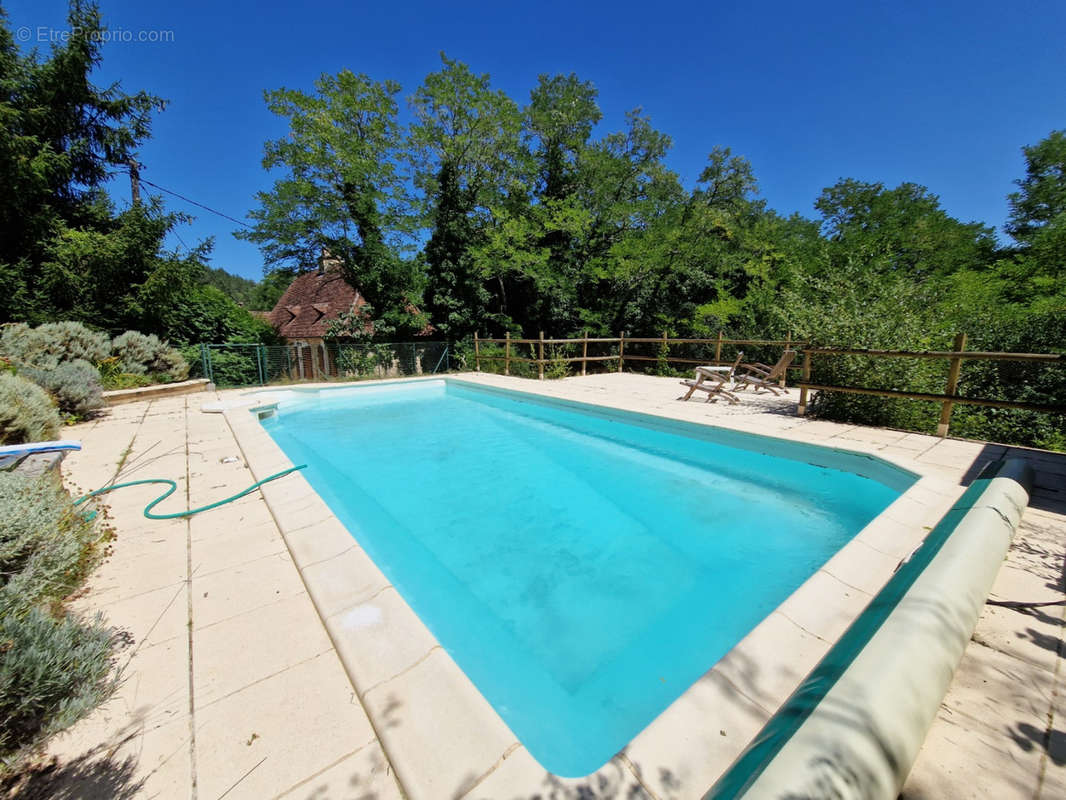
{"x":557,"y":366}
{"x":123,"y":380}
{"x":27,"y":413}
{"x":136,"y":351}
{"x":75,"y":385}
{"x":46,"y":545}
{"x":1015,"y":380}
{"x":859,"y":309}
{"x":193,"y":360}
{"x":53,"y":672}
{"x":141,"y":354}
{"x":492,"y":358}
{"x":53,"y":343}
{"x":172,"y":364}
{"x":54,"y":667}
{"x":237,"y":367}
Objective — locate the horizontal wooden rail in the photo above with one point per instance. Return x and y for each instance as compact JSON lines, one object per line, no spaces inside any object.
{"x":648,"y":340}
{"x":659,"y":340}
{"x":973,"y":401}
{"x":568,"y":359}
{"x":967,"y":355}
{"x":579,"y":340}
{"x":572,"y":359}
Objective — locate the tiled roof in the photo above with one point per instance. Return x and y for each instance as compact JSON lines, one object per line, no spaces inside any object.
{"x":311,"y":302}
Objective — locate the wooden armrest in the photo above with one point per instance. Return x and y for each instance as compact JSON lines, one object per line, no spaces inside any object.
{"x":760,"y":368}
{"x":709,"y":373}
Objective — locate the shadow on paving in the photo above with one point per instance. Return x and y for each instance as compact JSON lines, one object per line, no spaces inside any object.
{"x":88,"y":777}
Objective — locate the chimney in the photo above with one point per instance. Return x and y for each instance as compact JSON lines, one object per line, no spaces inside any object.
{"x":327,"y":262}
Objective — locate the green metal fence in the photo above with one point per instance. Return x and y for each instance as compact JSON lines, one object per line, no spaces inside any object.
{"x":230,"y":365}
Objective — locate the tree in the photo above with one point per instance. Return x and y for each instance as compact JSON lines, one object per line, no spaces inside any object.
{"x":341,"y":196}
{"x":532,"y":251}
{"x":551,"y":246}
{"x":903,"y":231}
{"x":1040,"y":200}
{"x":463,"y":144}
{"x":61,"y":137}
{"x":714,"y":259}
{"x":66,"y":253}
{"x":1031,"y":277}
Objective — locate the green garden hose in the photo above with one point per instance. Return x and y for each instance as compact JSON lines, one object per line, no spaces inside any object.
{"x":173,"y":488}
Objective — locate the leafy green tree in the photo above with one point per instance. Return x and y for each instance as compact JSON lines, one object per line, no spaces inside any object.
{"x":1030,"y":278}
{"x":531,"y":252}
{"x":1041,"y":197}
{"x":341,"y":195}
{"x":715,"y":259}
{"x":902,"y":231}
{"x":550,"y":251}
{"x":62,"y":136}
{"x":464,"y":143}
{"x":65,"y":252}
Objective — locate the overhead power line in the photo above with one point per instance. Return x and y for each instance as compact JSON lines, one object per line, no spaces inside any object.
{"x":193,"y":202}
{"x":175,"y":232}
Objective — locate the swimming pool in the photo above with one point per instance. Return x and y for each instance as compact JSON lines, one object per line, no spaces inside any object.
{"x":583,"y":566}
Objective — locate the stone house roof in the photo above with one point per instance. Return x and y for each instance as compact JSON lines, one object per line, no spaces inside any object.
{"x":311,"y":302}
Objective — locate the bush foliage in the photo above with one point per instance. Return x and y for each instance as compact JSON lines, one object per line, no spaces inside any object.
{"x":54,"y":671}
{"x":55,"y":667}
{"x":27,"y":413}
{"x":49,"y":345}
{"x":141,"y":354}
{"x":73,"y":363}
{"x":75,"y":385}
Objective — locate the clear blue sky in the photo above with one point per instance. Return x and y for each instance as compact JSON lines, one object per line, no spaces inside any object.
{"x":944,"y":93}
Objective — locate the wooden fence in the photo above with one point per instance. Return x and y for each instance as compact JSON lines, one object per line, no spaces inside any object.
{"x":621,"y":341}
{"x":948,"y":400}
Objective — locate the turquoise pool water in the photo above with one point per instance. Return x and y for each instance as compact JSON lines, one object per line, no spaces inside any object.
{"x":583,"y":566}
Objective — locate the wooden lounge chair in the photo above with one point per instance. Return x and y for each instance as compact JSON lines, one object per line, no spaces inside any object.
{"x":715,"y":381}
{"x":760,"y":376}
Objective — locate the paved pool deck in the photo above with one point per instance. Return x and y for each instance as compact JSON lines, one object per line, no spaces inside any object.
{"x":235,"y":686}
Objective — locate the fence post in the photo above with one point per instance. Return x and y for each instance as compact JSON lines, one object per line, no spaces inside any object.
{"x":585,"y":352}
{"x":952,"y":387}
{"x":718,"y":350}
{"x":507,"y":354}
{"x":621,"y":351}
{"x":801,"y":409}
{"x":540,"y":357}
{"x":415,"y":366}
{"x":205,"y":359}
{"x":259,"y":363}
{"x":788,"y":344}
{"x":477,"y":354}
